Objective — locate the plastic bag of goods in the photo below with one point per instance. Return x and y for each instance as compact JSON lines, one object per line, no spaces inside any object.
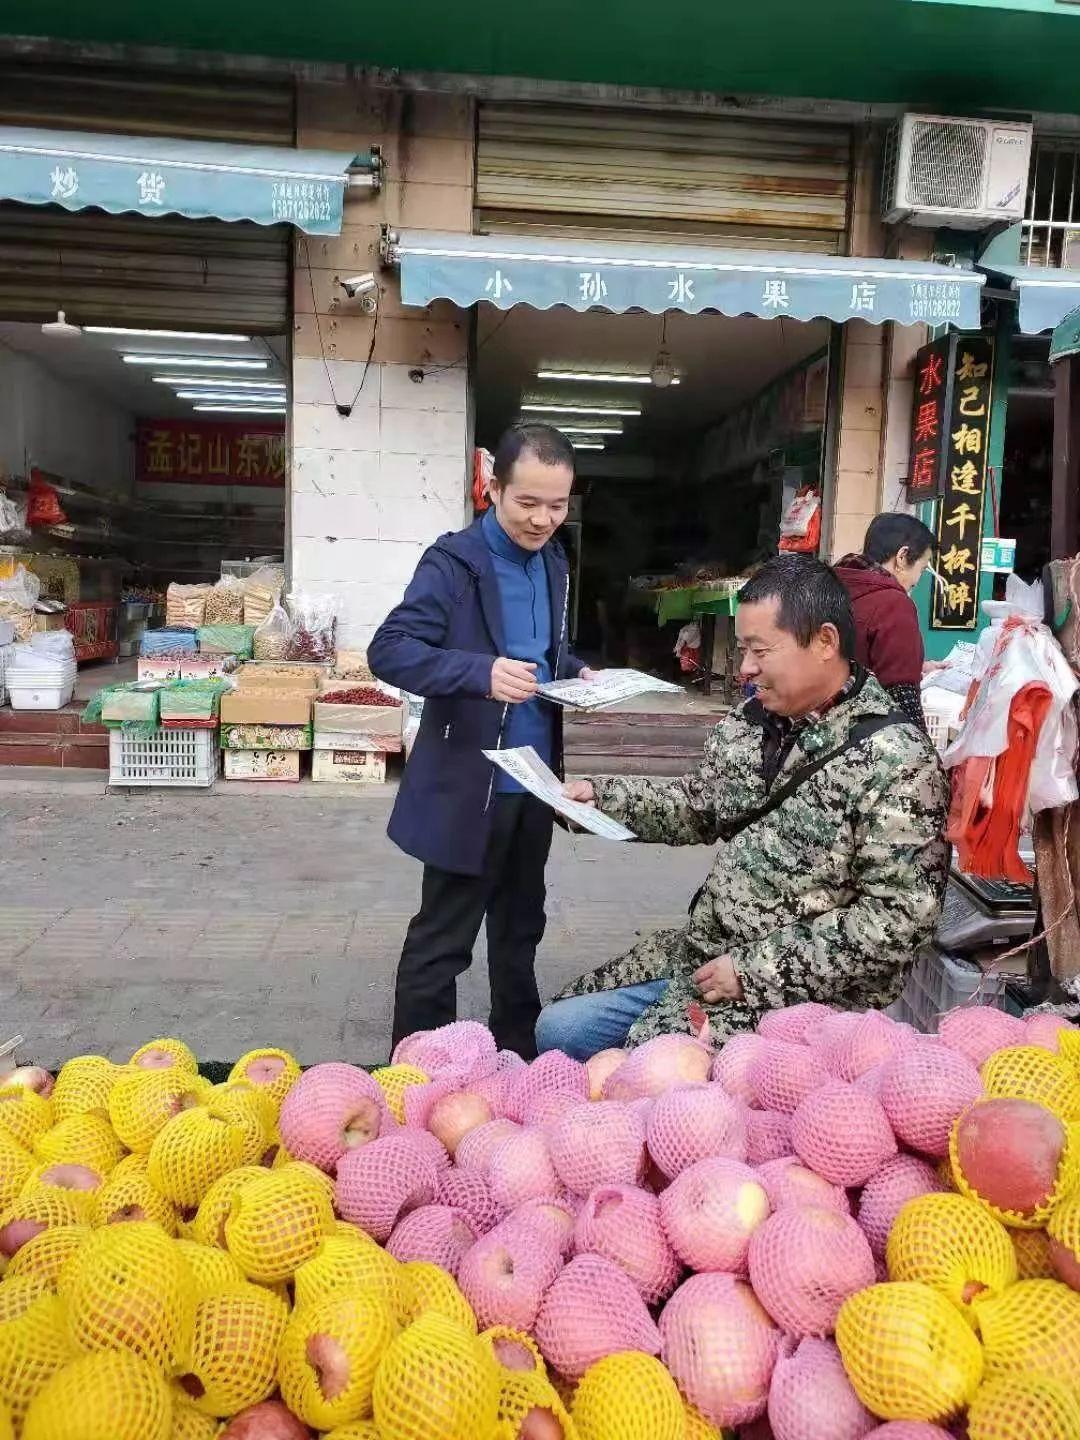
{"x":315,"y":625}
{"x":273,"y":636}
{"x":185,"y":606}
{"x":18,"y":595}
{"x":688,"y":648}
{"x":352,"y":665}
{"x":225,"y":602}
{"x":12,"y":515}
{"x":262,"y":591}
{"x":225,"y":640}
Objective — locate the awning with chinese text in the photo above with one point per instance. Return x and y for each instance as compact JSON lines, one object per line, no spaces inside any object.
{"x":1045,"y":295}
{"x":618,"y":276}
{"x":197,"y":179}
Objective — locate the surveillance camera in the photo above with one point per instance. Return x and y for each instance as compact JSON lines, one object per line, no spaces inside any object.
{"x":358,"y":286}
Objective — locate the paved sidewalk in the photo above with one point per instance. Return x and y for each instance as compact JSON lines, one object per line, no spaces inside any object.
{"x":256,"y":918}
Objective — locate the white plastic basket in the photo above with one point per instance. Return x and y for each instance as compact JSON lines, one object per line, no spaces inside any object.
{"x":44,"y":688}
{"x":164,"y":757}
{"x":938,"y":983}
{"x":942,"y":711}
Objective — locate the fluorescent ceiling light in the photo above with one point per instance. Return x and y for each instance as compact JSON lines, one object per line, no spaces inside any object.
{"x":587,"y":444}
{"x":243,"y":409}
{"x":583,"y":409}
{"x":606,"y":377}
{"x":200,"y":362}
{"x":165,"y":334}
{"x":235,"y":397}
{"x":219,"y":382}
{"x":592,"y":430}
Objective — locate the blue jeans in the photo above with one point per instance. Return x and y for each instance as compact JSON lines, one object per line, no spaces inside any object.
{"x":586,"y":1024}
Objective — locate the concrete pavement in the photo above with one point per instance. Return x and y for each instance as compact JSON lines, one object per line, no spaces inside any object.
{"x":256,"y":917}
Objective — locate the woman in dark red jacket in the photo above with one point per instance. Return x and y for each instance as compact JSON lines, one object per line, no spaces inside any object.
{"x":896,"y":551}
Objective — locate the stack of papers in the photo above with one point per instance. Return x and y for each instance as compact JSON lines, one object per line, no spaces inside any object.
{"x":607,"y":687}
{"x":525,"y":766}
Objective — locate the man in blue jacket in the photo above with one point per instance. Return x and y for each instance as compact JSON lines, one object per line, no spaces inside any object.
{"x":482,"y":624}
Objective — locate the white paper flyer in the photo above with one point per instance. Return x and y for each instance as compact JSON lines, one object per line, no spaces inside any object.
{"x":607,"y":687}
{"x":525,"y":766}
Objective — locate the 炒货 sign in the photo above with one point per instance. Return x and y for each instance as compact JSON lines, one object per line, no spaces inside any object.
{"x":199,"y":452}
{"x":962,"y":445}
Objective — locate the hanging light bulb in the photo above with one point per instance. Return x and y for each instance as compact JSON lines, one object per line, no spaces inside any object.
{"x":60,"y":327}
{"x":663,"y":373}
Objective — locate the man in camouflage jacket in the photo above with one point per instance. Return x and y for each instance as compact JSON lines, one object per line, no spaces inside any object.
{"x":829,"y":895}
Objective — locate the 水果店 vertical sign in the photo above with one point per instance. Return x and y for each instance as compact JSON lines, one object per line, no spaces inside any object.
{"x":949,"y":437}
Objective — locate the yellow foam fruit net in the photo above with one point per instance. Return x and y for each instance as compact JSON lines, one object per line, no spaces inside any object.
{"x":317,"y":1177}
{"x":953,"y":1244}
{"x":424,"y":1288}
{"x":697,"y":1427}
{"x":251,"y":1110}
{"x":208,"y":1226}
{"x":81,"y":1140}
{"x":524,"y":1395}
{"x":128,"y":1288}
{"x":1032,"y":1254}
{"x":1069,"y":1048}
{"x":47,"y":1205}
{"x":908,"y":1353}
{"x":1024,"y":1407}
{"x":1034,"y":1328}
{"x":16,"y":1163}
{"x":7,"y":1429}
{"x":188,"y":1423}
{"x":435,"y":1380}
{"x":519,"y":1342}
{"x":1067,"y":1179}
{"x":393,"y":1081}
{"x":234,"y":1349}
{"x":354,"y":1325}
{"x":24,"y":1115}
{"x":628,"y":1396}
{"x":47,"y":1254}
{"x":280,"y":1085}
{"x":193,"y":1150}
{"x":345,"y":1263}
{"x":19,"y":1293}
{"x":50,"y":1177}
{"x":127,"y":1194}
{"x":1063,"y":1227}
{"x":1027,"y":1072}
{"x":276,"y":1223}
{"x":32,"y":1349}
{"x":211,"y":1269}
{"x":142,"y":1102}
{"x":359,"y":1430}
{"x":109,"y":1396}
{"x":182,"y":1055}
{"x":83,"y":1086}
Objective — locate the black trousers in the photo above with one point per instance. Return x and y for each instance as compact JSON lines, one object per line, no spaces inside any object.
{"x":439,"y":943}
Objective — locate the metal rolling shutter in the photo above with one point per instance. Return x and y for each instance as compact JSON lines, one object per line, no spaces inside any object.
{"x":129,"y":269}
{"x":617,"y":173}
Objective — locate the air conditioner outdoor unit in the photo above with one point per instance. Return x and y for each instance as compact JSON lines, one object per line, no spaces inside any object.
{"x":963,"y":174}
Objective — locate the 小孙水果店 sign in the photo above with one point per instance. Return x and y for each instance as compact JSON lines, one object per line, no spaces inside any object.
{"x":208,"y":452}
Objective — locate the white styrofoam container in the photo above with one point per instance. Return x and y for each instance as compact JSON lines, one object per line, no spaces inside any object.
{"x":164,"y":757}
{"x":7,"y":632}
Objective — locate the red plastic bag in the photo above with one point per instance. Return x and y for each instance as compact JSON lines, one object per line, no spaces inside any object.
{"x":800,"y":529}
{"x":483,"y":461}
{"x":43,"y":503}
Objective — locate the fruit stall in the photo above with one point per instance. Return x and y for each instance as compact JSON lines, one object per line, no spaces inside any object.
{"x":830,"y":1229}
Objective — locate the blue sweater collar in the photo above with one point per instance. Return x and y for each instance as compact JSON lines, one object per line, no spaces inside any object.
{"x":499,"y":543}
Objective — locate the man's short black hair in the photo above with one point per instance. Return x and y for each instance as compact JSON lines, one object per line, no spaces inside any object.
{"x":810,"y":596}
{"x":543,"y":442}
{"x":890,"y":533}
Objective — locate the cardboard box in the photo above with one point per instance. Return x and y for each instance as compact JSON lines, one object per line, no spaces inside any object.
{"x":265,"y":737}
{"x":280,"y":675}
{"x":359,"y":719}
{"x":266,"y":707}
{"x":342,"y":740}
{"x":153,"y":668}
{"x":355,"y":767}
{"x":274,"y":765}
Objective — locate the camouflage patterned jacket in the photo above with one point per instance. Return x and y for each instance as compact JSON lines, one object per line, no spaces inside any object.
{"x":828,"y":897}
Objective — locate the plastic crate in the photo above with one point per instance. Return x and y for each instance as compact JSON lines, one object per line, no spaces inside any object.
{"x":938,"y":983}
{"x":163,"y":757}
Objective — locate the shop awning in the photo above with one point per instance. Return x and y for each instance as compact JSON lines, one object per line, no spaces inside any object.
{"x":1045,"y":295}
{"x":197,"y":179}
{"x":585,"y":275}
